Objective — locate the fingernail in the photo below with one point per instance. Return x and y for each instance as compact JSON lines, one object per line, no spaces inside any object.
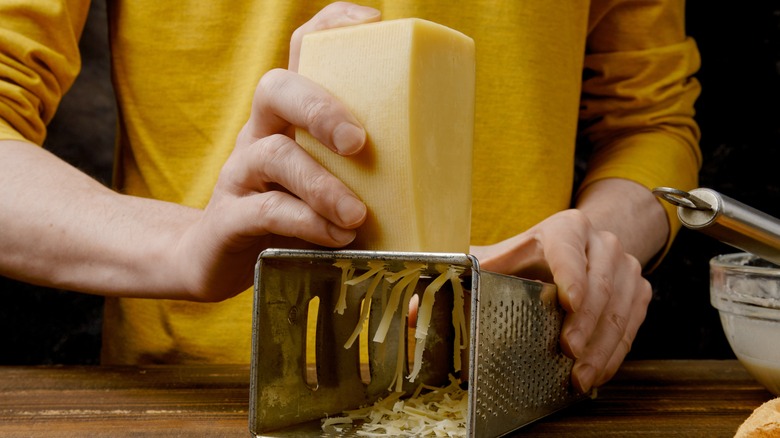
{"x":362,"y":12}
{"x":574,"y":305}
{"x":584,"y":376}
{"x":351,"y":211}
{"x":575,"y":340}
{"x":348,"y":138}
{"x":341,"y":235}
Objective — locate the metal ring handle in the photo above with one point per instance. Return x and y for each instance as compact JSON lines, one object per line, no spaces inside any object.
{"x":681,"y":198}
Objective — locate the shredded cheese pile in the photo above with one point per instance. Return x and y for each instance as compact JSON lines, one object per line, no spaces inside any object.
{"x":439,"y":412}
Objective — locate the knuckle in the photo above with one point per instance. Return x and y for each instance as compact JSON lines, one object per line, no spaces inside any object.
{"x":319,"y":186}
{"x":232,"y":165}
{"x":603,"y":284}
{"x":645,"y":292}
{"x":576,"y":217}
{"x":591,"y":316}
{"x":299,"y":218}
{"x":618,"y":322}
{"x":611,"y":241}
{"x":316,"y":110}
{"x":297,"y":35}
{"x":273,"y":147}
{"x":280,"y":212}
{"x":268,"y":204}
{"x":271,"y":151}
{"x":625,"y":343}
{"x":271,"y":81}
{"x":281,"y":216}
{"x":633,"y":264}
{"x":599,"y":356}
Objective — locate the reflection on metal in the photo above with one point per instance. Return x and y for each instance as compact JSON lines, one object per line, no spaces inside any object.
{"x":727,"y":220}
{"x":516,"y":371}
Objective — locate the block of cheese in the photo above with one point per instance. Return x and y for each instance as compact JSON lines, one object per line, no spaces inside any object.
{"x":410,"y":82}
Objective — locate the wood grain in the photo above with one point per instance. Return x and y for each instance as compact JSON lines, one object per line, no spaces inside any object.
{"x":165,"y":401}
{"x":646,"y":398}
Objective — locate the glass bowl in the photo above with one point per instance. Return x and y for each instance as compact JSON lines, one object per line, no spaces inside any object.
{"x":746,"y":291}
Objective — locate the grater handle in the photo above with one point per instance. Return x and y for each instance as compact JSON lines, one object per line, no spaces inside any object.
{"x":727,"y":220}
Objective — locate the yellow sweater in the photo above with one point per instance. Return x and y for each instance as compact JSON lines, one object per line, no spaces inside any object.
{"x":612,"y":76}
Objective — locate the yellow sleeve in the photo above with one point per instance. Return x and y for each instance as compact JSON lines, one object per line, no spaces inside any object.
{"x":39,"y":60}
{"x":638,"y":97}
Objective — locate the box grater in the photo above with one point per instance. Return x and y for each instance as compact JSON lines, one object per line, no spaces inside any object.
{"x":515,"y":369}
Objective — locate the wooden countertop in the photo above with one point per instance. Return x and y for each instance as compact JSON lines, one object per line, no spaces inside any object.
{"x":646,"y":398}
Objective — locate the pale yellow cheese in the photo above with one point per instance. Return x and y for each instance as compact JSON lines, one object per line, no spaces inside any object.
{"x":410,"y":82}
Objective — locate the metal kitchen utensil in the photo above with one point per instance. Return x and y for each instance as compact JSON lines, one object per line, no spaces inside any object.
{"x":727,"y":220}
{"x":516,"y":370}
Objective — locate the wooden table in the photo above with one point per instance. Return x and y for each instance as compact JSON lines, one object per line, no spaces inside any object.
{"x":647,"y":398}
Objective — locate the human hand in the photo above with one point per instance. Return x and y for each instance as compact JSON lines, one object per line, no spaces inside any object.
{"x":270,"y":192}
{"x":599,"y":285}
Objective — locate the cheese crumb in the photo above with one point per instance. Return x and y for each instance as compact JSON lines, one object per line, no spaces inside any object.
{"x":431,"y":411}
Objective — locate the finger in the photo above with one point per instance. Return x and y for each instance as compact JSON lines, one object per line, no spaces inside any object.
{"x":568,"y":257}
{"x":638,"y":312}
{"x":616,"y":328}
{"x":412,"y":315}
{"x":515,"y":256}
{"x":283,"y":98}
{"x":580,"y":324}
{"x":279,"y":160}
{"x":339,"y":14}
{"x":279,"y":213}
{"x":554,"y":250}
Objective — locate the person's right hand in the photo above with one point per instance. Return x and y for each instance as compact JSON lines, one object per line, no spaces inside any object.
{"x":270,"y":192}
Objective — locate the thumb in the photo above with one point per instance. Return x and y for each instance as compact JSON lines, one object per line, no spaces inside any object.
{"x":339,"y":14}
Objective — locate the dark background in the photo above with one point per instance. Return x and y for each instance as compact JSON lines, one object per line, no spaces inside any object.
{"x":739,"y":114}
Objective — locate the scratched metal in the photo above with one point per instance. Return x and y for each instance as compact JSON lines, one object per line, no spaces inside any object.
{"x":516,"y":370}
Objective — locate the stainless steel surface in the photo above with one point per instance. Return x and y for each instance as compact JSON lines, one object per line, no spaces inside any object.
{"x":681,"y":198}
{"x":516,"y":370}
{"x":727,"y":220}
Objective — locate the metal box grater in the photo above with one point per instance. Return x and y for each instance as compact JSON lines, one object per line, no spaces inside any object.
{"x":516,"y":371}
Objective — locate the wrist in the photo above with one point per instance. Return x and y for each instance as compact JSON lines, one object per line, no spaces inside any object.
{"x":631,"y":212}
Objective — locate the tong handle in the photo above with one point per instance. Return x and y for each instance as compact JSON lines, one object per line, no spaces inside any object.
{"x":727,"y":220}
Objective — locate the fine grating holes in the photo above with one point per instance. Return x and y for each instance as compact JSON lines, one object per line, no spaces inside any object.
{"x":515,"y":374}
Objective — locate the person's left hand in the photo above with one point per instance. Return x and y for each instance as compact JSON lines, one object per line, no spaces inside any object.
{"x":599,"y":285}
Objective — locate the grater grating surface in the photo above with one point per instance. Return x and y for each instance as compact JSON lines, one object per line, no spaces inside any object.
{"x":516,"y":371}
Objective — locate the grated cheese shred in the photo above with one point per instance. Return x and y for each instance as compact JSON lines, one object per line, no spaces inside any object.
{"x":347,"y":270}
{"x":430,"y":411}
{"x":376,"y":272}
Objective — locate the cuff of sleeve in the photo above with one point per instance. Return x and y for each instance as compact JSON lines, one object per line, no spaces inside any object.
{"x":9,"y":133}
{"x":652,"y":159}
